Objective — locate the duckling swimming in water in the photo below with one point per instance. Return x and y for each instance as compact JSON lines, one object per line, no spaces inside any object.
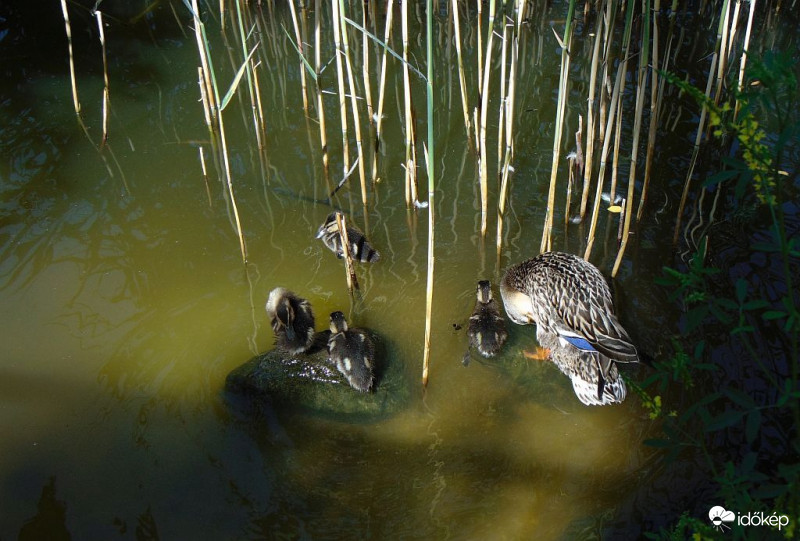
{"x":570,"y":303}
{"x":487,"y":327}
{"x":353,"y":353}
{"x":292,"y":320}
{"x":360,"y":248}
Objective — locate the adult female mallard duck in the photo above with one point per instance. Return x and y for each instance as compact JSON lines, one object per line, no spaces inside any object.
{"x":353,"y":353}
{"x":570,"y":303}
{"x":292,"y":320}
{"x":487,"y":327}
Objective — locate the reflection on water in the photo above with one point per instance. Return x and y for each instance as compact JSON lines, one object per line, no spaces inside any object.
{"x":126,"y":304}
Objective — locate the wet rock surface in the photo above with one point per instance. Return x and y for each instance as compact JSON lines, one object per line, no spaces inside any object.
{"x":309,"y":382}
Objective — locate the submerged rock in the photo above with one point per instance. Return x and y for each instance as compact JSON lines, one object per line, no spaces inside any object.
{"x":310,"y":382}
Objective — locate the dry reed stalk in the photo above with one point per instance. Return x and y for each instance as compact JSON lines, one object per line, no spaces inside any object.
{"x":382,"y":87}
{"x":722,"y":62}
{"x":99,"y":17}
{"x":608,"y":62}
{"x":503,"y":55}
{"x":352,"y":280}
{"x":480,"y":45}
{"x":68,"y":28}
{"x":743,"y":58}
{"x":590,"y":121}
{"x":323,"y":138}
{"x":429,"y":162}
{"x":252,"y":90}
{"x":216,"y":107}
{"x":483,"y":160}
{"x":205,"y":174}
{"x":617,"y":140}
{"x":365,"y":66}
{"x":651,"y":136}
{"x":699,"y":134}
{"x":601,"y":173}
{"x":299,"y":40}
{"x":461,"y":79}
{"x":560,"y":109}
{"x":340,"y":85}
{"x":626,"y":47}
{"x":509,"y":137}
{"x":411,"y":164}
{"x":204,"y":98}
{"x":353,"y":105}
{"x":637,"y":128}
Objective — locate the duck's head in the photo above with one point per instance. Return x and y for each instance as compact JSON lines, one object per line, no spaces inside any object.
{"x":276,"y":296}
{"x":484,"y":291}
{"x":279,"y":307}
{"x":518,"y":304}
{"x":330,"y":226}
{"x":338,"y":322}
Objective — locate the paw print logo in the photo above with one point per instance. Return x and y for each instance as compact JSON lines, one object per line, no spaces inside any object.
{"x":719,"y":516}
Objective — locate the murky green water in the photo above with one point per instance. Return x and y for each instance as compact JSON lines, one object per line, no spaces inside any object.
{"x":125,"y":305}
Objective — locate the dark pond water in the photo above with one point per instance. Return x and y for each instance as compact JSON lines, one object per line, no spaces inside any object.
{"x":126,"y":303}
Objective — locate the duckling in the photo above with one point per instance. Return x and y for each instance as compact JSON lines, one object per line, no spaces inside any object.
{"x":360,"y":248}
{"x":292,"y":320}
{"x":353,"y":353}
{"x":570,"y":303}
{"x":487,"y":328}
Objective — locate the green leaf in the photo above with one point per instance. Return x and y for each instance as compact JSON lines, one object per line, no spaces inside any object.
{"x":308,"y":67}
{"x":756,"y":304}
{"x":698,"y":349}
{"x":741,"y":290}
{"x":722,"y":176}
{"x":743,"y":328}
{"x":236,"y":80}
{"x":740,"y":398}
{"x":752,"y":425}
{"x":724,"y":420}
{"x":773,"y":314}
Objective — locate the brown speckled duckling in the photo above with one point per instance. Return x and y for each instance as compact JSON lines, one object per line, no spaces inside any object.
{"x":353,"y":353}
{"x":292,"y":320}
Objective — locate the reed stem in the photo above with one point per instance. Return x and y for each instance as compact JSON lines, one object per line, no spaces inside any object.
{"x":353,"y":104}
{"x":323,"y":138}
{"x":461,"y":79}
{"x":637,"y":128}
{"x":337,"y":23}
{"x":560,"y":110}
{"x":99,"y":16}
{"x":68,"y":28}
{"x":352,"y":280}
{"x":430,"y":161}
{"x":382,"y":89}
{"x":483,"y":161}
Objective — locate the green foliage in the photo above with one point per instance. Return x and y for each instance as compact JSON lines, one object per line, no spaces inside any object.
{"x":759,"y":126}
{"x":687,"y":528}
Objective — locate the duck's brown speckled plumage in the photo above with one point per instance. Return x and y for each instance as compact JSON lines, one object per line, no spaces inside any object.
{"x":292,"y":320}
{"x":353,"y":353}
{"x":566,"y":296}
{"x":360,"y":248}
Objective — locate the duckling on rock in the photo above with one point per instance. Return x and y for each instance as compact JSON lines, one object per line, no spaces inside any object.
{"x":570,"y":303}
{"x":353,"y":353}
{"x":487,"y":327}
{"x":292,"y":320}
{"x":360,"y":248}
